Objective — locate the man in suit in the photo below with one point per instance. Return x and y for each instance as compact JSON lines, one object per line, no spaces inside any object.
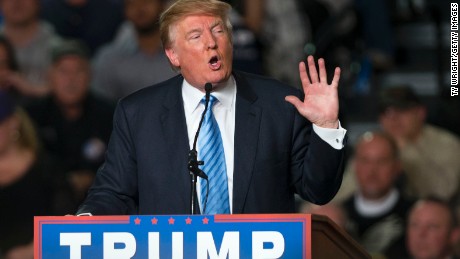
{"x":272,"y":150}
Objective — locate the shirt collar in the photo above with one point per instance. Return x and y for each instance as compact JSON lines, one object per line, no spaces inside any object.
{"x":370,"y":208}
{"x":192,"y":96}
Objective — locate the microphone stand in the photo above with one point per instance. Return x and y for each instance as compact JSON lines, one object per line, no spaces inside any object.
{"x":193,"y":162}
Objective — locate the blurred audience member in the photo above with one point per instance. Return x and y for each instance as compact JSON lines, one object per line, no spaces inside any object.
{"x":278,"y":26}
{"x":136,"y":59}
{"x":32,"y":40}
{"x":247,"y":54}
{"x":252,"y":12}
{"x":247,"y":48}
{"x":94,"y":22}
{"x":283,"y":28}
{"x":11,"y":80}
{"x":429,"y":155}
{"x":27,"y":180}
{"x":432,"y":230}
{"x":377,"y":211}
{"x":73,"y":123}
{"x":376,"y":31}
{"x":8,"y":64}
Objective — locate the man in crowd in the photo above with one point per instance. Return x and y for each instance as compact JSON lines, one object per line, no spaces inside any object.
{"x":429,"y":154}
{"x":432,"y":230}
{"x":377,"y":211}
{"x":74,"y":125}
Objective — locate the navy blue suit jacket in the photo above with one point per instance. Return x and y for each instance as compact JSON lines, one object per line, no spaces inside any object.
{"x":276,"y":154}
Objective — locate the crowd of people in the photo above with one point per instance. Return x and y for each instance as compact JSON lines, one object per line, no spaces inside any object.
{"x":394,"y":168}
{"x":64,"y":64}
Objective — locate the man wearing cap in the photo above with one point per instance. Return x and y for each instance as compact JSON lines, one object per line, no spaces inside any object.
{"x":74,"y":124}
{"x":429,"y":155}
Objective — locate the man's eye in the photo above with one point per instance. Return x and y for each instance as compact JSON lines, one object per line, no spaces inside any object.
{"x":218,"y":30}
{"x":194,"y":36}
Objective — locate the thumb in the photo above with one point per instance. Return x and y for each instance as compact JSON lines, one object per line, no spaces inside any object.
{"x":294,"y":100}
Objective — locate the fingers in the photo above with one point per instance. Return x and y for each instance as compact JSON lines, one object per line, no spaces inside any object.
{"x":335,"y":80}
{"x":322,"y":71}
{"x":312,"y":76}
{"x":303,"y":75}
{"x":312,"y":70}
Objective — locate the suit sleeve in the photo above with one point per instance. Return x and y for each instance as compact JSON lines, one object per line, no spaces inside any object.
{"x":316,"y":167}
{"x":115,"y":189}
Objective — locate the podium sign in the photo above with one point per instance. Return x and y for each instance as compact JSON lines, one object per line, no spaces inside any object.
{"x":177,"y":237}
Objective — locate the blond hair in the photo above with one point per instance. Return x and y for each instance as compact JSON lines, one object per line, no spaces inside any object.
{"x":183,"y":8}
{"x":27,"y":133}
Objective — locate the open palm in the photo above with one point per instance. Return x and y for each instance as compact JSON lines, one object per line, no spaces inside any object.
{"x":321,"y":102}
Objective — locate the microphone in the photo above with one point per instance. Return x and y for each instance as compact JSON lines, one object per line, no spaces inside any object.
{"x":207,"y":89}
{"x":193,"y":162}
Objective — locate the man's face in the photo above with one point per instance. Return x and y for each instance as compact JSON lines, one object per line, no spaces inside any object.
{"x":428,"y":231}
{"x":70,"y":79}
{"x":144,"y":14}
{"x":376,"y":167}
{"x":202,"y":49}
{"x":403,"y":123}
{"x":19,"y":12}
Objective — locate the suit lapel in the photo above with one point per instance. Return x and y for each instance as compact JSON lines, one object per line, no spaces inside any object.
{"x":174,"y":130}
{"x":247,"y":124}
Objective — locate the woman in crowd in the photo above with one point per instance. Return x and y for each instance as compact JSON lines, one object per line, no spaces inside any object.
{"x":27,"y":181}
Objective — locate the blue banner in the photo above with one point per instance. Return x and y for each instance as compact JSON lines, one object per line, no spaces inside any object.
{"x":177,"y":237}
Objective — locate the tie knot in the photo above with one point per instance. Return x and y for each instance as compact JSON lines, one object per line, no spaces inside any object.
{"x":212,"y":100}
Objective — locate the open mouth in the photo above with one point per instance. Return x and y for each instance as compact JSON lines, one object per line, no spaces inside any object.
{"x":214,"y":63}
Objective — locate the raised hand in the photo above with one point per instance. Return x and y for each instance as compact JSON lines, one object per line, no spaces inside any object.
{"x":321,"y":102}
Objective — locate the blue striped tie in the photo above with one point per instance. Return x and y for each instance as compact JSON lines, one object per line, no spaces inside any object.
{"x":211,"y":151}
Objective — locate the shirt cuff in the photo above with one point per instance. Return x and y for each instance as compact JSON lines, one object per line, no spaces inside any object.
{"x":334,"y":137}
{"x":85,"y":214}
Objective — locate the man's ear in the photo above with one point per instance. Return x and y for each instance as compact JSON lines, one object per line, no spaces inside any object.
{"x":455,"y":236}
{"x":172,"y":56}
{"x":421,"y":112}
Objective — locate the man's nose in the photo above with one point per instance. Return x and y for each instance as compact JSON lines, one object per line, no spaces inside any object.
{"x":211,"y":42}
